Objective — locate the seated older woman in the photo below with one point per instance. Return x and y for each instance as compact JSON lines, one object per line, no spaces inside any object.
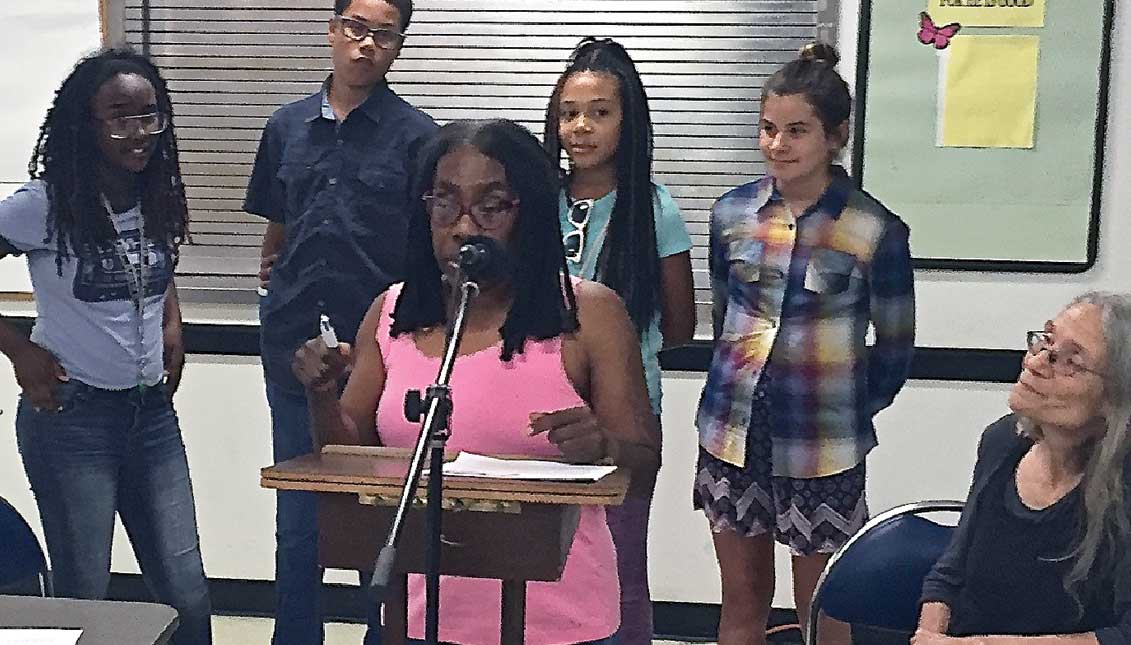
{"x":548,"y":366}
{"x":1043,"y":549}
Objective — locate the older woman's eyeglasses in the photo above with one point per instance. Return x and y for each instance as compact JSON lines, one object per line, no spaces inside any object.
{"x":574,"y":241}
{"x":383,"y":37}
{"x":1064,"y":362}
{"x":488,"y":213}
{"x":124,"y":127}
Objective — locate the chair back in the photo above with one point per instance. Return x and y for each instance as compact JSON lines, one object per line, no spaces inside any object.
{"x":876,"y":578}
{"x":21,"y":557}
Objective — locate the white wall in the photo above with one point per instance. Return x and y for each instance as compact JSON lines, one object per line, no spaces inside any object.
{"x":42,"y":41}
{"x":927,"y":443}
{"x":927,"y":437}
{"x":226,"y":432}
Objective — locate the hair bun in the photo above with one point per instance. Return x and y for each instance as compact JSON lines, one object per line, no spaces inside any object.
{"x":820,"y":52}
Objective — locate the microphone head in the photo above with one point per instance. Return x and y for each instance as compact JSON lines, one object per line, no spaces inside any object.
{"x":482,"y":259}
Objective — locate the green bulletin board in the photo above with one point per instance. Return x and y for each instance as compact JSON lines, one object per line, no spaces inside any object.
{"x":1030,"y":207}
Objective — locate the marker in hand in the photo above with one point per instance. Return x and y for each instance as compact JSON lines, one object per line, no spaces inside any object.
{"x":327,"y":333}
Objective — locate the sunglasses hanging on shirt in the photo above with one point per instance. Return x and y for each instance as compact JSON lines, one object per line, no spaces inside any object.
{"x":574,"y":241}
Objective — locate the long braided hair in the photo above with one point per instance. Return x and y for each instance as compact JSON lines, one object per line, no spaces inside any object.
{"x":629,"y":262}
{"x":66,"y":154}
{"x":544,"y":303}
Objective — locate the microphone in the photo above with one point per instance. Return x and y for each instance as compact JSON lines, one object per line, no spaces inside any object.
{"x":482,"y":258}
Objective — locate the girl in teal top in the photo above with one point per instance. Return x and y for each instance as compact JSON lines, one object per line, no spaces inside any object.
{"x":623,"y":230}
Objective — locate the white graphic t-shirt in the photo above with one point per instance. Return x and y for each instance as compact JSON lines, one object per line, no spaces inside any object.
{"x":87,"y":316}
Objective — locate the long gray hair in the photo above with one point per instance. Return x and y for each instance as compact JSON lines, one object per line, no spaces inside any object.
{"x":1105,"y":526}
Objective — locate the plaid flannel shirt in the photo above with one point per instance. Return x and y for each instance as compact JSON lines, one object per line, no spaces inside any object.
{"x":796,"y":297}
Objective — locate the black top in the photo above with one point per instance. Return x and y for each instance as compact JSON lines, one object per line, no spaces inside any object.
{"x":1003,"y":572}
{"x":341,"y":189}
{"x":1015,"y":568}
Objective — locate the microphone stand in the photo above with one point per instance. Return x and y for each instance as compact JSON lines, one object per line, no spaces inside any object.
{"x":434,"y":433}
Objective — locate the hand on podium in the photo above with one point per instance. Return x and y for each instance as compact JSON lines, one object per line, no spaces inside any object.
{"x":576,"y":433}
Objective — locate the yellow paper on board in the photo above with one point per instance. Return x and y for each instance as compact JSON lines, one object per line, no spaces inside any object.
{"x":990,"y":92}
{"x":988,"y":13}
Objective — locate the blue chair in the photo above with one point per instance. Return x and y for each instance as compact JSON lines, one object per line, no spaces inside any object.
{"x":21,"y":558}
{"x":876,"y":578}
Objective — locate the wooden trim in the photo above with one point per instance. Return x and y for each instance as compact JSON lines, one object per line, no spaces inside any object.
{"x":17,"y":296}
{"x":104,"y":21}
{"x":371,"y":451}
{"x":111,"y":22}
{"x":382,"y":475}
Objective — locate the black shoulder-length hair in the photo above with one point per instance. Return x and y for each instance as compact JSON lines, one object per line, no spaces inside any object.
{"x":629,"y":262}
{"x":544,"y":304}
{"x":66,"y":155}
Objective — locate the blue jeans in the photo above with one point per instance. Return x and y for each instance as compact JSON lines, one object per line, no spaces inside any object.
{"x":298,"y":577}
{"x":116,"y":451}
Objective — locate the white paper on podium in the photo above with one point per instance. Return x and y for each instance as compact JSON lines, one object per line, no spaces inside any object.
{"x":38,"y":636}
{"x":468,"y":464}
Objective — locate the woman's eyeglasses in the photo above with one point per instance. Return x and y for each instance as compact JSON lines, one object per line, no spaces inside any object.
{"x":1064,"y":362}
{"x":124,"y":127}
{"x":574,"y":241}
{"x":488,"y":213}
{"x":383,"y":37}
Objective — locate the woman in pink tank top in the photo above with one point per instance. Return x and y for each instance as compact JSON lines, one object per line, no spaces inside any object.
{"x":548,"y":367}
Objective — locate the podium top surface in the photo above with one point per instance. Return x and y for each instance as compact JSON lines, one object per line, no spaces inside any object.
{"x":382,"y":471}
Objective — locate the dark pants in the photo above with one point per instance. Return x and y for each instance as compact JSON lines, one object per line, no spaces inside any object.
{"x":628,"y":524}
{"x":116,"y":451}
{"x":298,"y":577}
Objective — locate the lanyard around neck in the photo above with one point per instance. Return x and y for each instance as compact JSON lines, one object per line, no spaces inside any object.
{"x":135,"y":283}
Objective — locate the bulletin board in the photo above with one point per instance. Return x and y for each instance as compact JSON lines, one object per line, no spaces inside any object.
{"x":981,"y":124}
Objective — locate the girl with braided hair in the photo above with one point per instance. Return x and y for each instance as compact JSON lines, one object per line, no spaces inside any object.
{"x":624,"y":230}
{"x":100,"y":222}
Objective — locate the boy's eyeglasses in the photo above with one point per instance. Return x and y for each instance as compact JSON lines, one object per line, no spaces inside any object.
{"x":383,"y":37}
{"x":574,"y":241}
{"x":488,"y":213}
{"x":124,"y":127}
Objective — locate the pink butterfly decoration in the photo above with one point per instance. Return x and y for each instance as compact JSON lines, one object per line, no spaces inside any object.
{"x":938,"y":37}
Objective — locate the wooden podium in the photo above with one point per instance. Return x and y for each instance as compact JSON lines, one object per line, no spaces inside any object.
{"x":489,"y":525}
